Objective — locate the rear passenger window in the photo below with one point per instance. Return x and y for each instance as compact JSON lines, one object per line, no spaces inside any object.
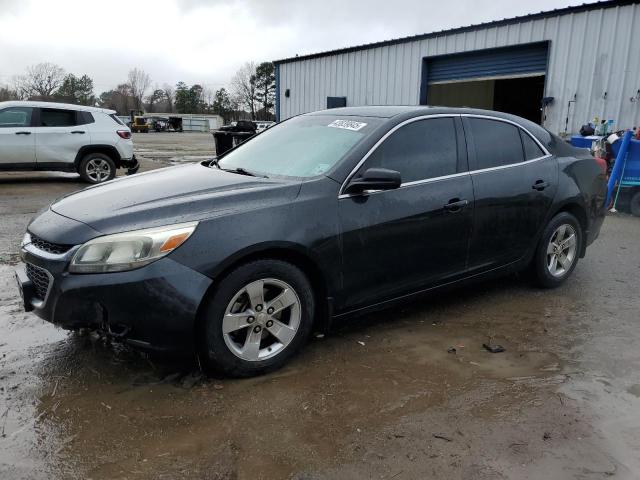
{"x":50,"y":117}
{"x":497,"y":143}
{"x":420,"y":150}
{"x":531,"y":149}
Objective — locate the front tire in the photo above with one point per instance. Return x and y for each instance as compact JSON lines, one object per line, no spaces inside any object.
{"x":97,"y":168}
{"x":261,"y":314}
{"x":558,"y":250}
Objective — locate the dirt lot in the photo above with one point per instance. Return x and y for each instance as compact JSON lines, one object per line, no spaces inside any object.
{"x":380,"y":398}
{"x":174,"y":147}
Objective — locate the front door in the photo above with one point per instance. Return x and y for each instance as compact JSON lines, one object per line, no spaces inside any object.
{"x":58,"y":137}
{"x":398,"y":241}
{"x":514,"y":181}
{"x":17,"y":140}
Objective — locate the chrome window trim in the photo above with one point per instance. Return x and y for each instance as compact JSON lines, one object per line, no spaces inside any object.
{"x":444,"y":177}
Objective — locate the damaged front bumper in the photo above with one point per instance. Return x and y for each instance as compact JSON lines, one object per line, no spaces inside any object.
{"x":153,"y":307}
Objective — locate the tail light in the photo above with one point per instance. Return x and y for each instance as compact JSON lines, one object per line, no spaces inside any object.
{"x":602,"y":163}
{"x":126,"y":134}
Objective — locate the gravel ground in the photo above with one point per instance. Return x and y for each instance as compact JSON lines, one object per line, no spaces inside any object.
{"x":379,"y":398}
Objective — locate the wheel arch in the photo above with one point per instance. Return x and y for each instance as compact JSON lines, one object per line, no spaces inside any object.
{"x":288,"y":252}
{"x":580,"y":212}
{"x":108,"y":150}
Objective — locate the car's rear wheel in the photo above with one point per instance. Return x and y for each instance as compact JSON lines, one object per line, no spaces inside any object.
{"x":97,"y":168}
{"x":558,"y":250}
{"x":258,"y":317}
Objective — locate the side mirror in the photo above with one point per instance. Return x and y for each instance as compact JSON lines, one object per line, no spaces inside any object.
{"x":375,"y":179}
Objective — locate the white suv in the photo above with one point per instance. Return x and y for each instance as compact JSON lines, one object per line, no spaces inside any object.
{"x":55,"y":136}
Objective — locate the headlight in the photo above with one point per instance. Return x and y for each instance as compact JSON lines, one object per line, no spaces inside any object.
{"x":129,"y":250}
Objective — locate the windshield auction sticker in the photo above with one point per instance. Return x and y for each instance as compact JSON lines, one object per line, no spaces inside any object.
{"x":347,"y":125}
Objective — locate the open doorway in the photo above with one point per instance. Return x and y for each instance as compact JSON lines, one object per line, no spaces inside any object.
{"x":520,"y":96}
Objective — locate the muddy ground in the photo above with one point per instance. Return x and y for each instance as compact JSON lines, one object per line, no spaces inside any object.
{"x":380,"y":398}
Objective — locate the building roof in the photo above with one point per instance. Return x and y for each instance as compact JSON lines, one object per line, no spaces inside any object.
{"x":496,"y":23}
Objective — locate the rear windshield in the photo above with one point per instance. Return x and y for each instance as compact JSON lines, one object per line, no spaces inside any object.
{"x":304,"y":146}
{"x":115,"y":118}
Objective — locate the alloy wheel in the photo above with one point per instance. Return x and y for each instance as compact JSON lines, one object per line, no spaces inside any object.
{"x":561,"y":251}
{"x":98,"y":169}
{"x":261,"y":319}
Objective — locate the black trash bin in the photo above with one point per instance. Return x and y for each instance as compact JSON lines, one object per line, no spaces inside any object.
{"x":230,"y":136}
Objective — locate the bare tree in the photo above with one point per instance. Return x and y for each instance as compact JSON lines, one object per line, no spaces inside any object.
{"x":8,"y":93}
{"x":40,"y":81}
{"x":243,"y":87}
{"x":155,"y":98}
{"x":139,"y":83}
{"x":169,"y":95}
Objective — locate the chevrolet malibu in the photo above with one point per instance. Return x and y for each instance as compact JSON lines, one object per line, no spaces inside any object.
{"x":322,"y":216}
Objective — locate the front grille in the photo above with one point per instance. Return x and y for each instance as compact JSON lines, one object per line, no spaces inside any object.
{"x":40,"y":279}
{"x":49,"y":247}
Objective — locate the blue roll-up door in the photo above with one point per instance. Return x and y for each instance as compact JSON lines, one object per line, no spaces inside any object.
{"x":505,"y":62}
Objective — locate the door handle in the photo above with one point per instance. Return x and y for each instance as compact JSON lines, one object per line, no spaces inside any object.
{"x":78,"y":131}
{"x":23,"y":133}
{"x":540,"y":185}
{"x":455,"y":205}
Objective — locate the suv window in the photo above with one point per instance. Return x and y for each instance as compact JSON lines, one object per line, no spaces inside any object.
{"x":84,"y":118}
{"x":15,"y":117}
{"x":115,"y":118}
{"x":531,"y":149}
{"x":51,"y":117}
{"x":420,"y":150}
{"x":497,"y":143}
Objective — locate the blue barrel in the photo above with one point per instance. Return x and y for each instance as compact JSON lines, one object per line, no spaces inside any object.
{"x":631,"y":174}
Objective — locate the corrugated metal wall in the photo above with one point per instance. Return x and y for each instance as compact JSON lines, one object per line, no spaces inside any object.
{"x":591,"y":52}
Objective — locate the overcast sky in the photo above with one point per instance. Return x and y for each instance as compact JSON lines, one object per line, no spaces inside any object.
{"x":205,"y":41}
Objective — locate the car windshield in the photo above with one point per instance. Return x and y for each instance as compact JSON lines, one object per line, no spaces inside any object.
{"x":304,"y":146}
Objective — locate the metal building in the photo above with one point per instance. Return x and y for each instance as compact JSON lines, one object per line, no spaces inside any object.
{"x":583,"y":61}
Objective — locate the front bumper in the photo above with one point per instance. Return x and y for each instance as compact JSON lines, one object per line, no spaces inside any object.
{"x":152,"y":307}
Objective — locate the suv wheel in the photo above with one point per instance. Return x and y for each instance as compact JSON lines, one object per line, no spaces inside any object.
{"x":261,"y":314}
{"x":558,"y":250}
{"x":97,"y":168}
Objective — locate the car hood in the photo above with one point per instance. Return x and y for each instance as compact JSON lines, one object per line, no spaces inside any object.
{"x":171,"y":195}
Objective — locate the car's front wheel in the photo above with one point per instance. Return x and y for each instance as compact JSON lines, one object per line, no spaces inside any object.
{"x":258,"y":317}
{"x":97,"y":168}
{"x":558,"y":250}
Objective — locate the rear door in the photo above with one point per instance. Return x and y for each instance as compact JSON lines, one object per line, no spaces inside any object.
{"x":59,"y":136}
{"x":514,"y":181}
{"x":17,"y":140}
{"x":402,"y":240}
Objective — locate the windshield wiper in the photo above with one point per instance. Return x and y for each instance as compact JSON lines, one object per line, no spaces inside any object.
{"x":238,"y":170}
{"x":241,"y":171}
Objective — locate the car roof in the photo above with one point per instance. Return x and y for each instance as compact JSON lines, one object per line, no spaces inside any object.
{"x":67,"y":106}
{"x":403,"y":112}
{"x":389,"y":111}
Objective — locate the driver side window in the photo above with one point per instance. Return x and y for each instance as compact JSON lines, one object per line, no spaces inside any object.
{"x":419,"y":150}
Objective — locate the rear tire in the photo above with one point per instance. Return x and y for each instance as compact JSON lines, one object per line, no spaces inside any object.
{"x":257,"y":319}
{"x":558,"y":250}
{"x":634,"y":205}
{"x":97,"y":168}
